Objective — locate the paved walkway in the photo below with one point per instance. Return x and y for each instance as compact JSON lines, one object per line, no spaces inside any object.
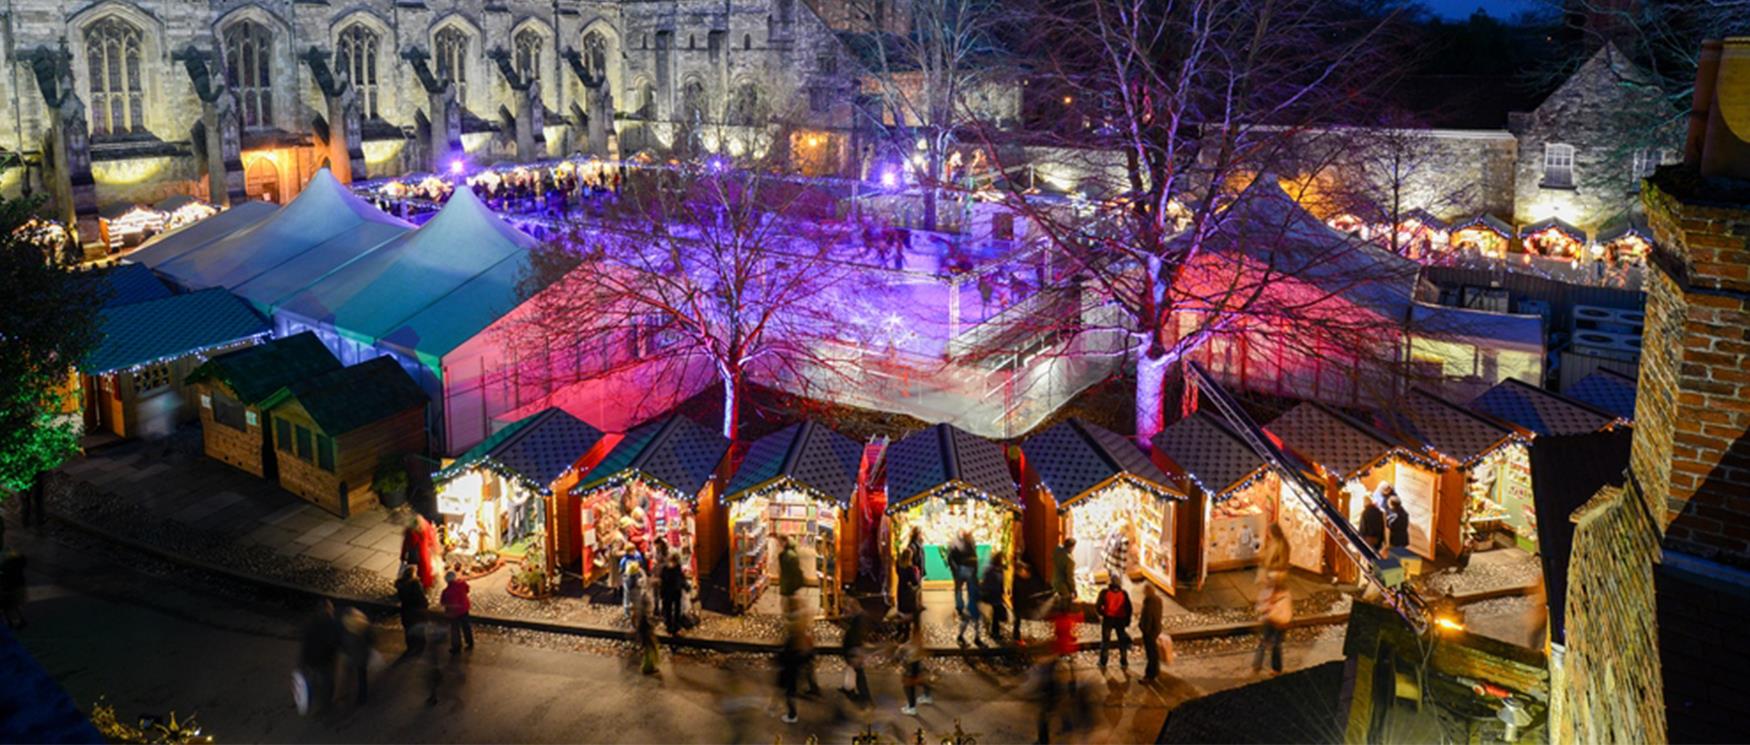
{"x":171,"y":499}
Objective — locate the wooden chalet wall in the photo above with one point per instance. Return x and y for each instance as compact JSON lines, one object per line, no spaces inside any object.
{"x":356,"y":455}
{"x":118,"y":405}
{"x":248,"y":448}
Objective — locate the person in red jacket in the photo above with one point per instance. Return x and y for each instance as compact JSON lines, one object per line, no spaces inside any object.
{"x":456,"y":607}
{"x":1114,"y":606}
{"x":1063,"y":625}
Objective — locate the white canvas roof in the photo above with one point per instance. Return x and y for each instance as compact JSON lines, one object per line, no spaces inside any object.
{"x":189,"y":237}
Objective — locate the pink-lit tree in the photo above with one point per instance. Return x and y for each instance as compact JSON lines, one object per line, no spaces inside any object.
{"x":1158,"y":115}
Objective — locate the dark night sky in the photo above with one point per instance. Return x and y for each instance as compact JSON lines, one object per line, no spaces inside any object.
{"x":1503,"y":9}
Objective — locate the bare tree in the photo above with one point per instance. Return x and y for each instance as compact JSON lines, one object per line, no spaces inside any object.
{"x":928,"y":80}
{"x":701,"y":266}
{"x":1196,"y":98}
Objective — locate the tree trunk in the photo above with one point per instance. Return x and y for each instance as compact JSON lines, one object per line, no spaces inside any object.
{"x":731,"y":402}
{"x":933,"y":171}
{"x":1152,"y":364}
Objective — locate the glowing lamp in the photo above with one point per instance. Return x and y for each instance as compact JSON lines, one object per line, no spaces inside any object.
{"x":1447,"y":623}
{"x":456,"y":166}
{"x":889,"y":178}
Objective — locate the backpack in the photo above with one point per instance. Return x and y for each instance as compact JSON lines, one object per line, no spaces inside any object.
{"x":1112,"y":603}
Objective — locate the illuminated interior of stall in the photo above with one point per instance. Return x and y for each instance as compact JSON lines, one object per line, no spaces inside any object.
{"x":1121,"y":511}
{"x":1498,"y":490}
{"x":486,"y":511}
{"x":939,"y":518}
{"x":761,"y":521}
{"x":1553,"y":241}
{"x":1631,"y":248}
{"x":188,"y":213}
{"x":1239,"y":522}
{"x":1305,"y":531}
{"x":1414,"y":479}
{"x":1480,"y":239}
{"x":631,"y":514}
{"x":133,"y":226}
{"x":1417,"y":237}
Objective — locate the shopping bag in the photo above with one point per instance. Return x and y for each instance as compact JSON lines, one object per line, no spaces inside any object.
{"x":301,"y":692}
{"x":850,"y":679}
{"x":1165,"y":642}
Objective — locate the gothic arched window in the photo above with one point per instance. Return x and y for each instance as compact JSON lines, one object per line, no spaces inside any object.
{"x":248,"y":68}
{"x":452,"y":59}
{"x":645,"y":101}
{"x":355,"y":56}
{"x":528,"y":54}
{"x":595,"y":54}
{"x":112,"y":52}
{"x":746,"y":107}
{"x":693,"y":107}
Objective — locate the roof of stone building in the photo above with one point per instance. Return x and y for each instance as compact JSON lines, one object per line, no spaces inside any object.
{"x":675,"y":452}
{"x":805,"y":455}
{"x":257,"y":372}
{"x":170,"y":327}
{"x":1073,"y":457}
{"x":1331,"y":439}
{"x":1541,"y":411}
{"x":1448,"y":428}
{"x":346,"y":399}
{"x":537,"y":449}
{"x":1607,"y":389}
{"x":943,"y":456}
{"x":1209,"y":452}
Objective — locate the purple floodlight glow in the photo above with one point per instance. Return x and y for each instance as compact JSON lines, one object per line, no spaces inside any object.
{"x":456,"y":166}
{"x":889,"y":178}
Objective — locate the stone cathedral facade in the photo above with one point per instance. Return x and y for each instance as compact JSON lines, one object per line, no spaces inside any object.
{"x":132,"y":101}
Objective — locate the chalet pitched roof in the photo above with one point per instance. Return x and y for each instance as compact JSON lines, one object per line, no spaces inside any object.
{"x":351,"y":397}
{"x":1555,"y":223}
{"x":1485,"y":221}
{"x":170,"y":327}
{"x":1447,"y":428}
{"x":257,"y":372}
{"x":1608,"y":390}
{"x":1209,"y":452}
{"x":131,"y":283}
{"x":1541,"y":411}
{"x":1073,"y":457}
{"x":942,"y":455}
{"x":676,"y":452}
{"x":1624,"y":227}
{"x":537,"y":449}
{"x":809,"y":456}
{"x":1331,"y":439}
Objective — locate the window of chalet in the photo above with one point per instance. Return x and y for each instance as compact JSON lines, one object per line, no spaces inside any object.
{"x":151,"y":378}
{"x":305,"y":446}
{"x":325,"y":453}
{"x":1558,"y":165}
{"x":229,"y":412}
{"x":282,"y":435}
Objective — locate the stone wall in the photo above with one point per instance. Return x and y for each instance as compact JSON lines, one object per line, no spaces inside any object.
{"x":1702,"y":607}
{"x":1612,"y":688}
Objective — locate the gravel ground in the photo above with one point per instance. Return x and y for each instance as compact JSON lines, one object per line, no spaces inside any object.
{"x":1524,"y":572}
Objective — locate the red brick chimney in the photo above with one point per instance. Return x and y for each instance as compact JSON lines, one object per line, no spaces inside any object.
{"x":1692,"y":431}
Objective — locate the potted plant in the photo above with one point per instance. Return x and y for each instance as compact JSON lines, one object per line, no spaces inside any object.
{"x":390,"y":482}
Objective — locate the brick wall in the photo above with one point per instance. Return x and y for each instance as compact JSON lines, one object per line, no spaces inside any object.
{"x":1612,"y":689}
{"x":1701,"y":610}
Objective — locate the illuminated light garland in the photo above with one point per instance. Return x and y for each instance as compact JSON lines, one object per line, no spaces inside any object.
{"x":966,"y":491}
{"x":630,"y":475}
{"x":1235,"y":488}
{"x":455,"y":470}
{"x":200,"y":354}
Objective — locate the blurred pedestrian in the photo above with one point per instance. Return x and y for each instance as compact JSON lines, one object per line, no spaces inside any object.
{"x":915,"y":678}
{"x":1063,"y":570}
{"x":792,"y":657}
{"x":1373,"y":526}
{"x":963,"y":561}
{"x":417,"y":541}
{"x":907,"y":601}
{"x":990,"y":590}
{"x":1050,"y":680}
{"x":644,"y":632}
{"x":631,"y":585}
{"x":673,"y":585}
{"x":414,"y":606}
{"x":318,"y":651}
{"x":1115,"y":612}
{"x":358,"y":643}
{"x":1152,"y":610}
{"x":1064,"y":617}
{"x":659,"y":553}
{"x":1275,"y":556}
{"x":790,"y":576}
{"x":1397,"y":520}
{"x":856,"y":643}
{"x":457,"y":606}
{"x":1276,"y":610}
{"x":13,"y":593}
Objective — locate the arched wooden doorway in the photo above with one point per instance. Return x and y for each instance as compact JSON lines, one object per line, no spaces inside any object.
{"x":261,"y":180}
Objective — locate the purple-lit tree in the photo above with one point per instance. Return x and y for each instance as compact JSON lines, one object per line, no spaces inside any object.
{"x":706,"y":266}
{"x":1156,"y":114}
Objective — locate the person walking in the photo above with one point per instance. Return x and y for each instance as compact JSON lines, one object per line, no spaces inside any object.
{"x":658,"y":563}
{"x":790,"y":576}
{"x":1276,"y":608}
{"x":457,"y":604}
{"x":644,"y":632}
{"x":907,"y":601}
{"x":1063,"y":570}
{"x":1275,"y":556}
{"x":791,"y":659}
{"x":1117,"y":553}
{"x":915,"y":677}
{"x":318,"y":651}
{"x":1397,"y":520}
{"x":1150,"y":624}
{"x":856,"y":643}
{"x":1050,"y":679}
{"x":1115,"y":611}
{"x":416,"y":544}
{"x":1064,"y":618}
{"x":358,"y":643}
{"x":631,"y":586}
{"x":990,"y":590}
{"x":963,"y":561}
{"x":414,"y":606}
{"x":12,"y":589}
{"x":673,"y":587}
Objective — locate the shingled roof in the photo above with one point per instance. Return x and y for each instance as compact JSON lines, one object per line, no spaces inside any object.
{"x":1608,"y":390}
{"x":1208,"y":452}
{"x":1331,"y":439}
{"x":675,"y":452}
{"x":131,"y":283}
{"x":1541,"y":411}
{"x":942,"y":455}
{"x":255,"y":373}
{"x":1074,"y":457}
{"x":1448,"y":428}
{"x":536,"y":449}
{"x":169,"y":327}
{"x":806,"y":455}
{"x":343,"y":400}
